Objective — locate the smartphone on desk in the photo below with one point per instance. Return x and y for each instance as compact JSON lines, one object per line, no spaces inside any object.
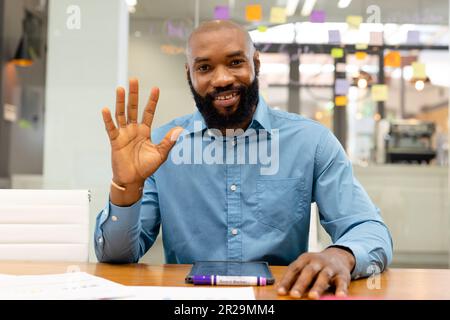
{"x":259,"y":269}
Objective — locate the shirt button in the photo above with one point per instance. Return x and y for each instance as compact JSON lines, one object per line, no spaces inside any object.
{"x":234,"y":142}
{"x":233,"y":187}
{"x":234,"y":232}
{"x":100,"y":240}
{"x":114,"y":218}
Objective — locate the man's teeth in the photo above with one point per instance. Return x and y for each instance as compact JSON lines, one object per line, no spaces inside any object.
{"x":228,"y":96}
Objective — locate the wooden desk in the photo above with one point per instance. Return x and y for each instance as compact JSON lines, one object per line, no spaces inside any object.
{"x":395,"y":283}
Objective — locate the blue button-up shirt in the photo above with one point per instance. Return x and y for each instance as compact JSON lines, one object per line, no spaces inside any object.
{"x":247,"y":197}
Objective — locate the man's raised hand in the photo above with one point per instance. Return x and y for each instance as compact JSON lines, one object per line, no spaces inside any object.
{"x":134,"y":156}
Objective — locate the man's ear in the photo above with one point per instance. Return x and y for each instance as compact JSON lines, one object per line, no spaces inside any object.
{"x":257,"y":62}
{"x":186,"y":68}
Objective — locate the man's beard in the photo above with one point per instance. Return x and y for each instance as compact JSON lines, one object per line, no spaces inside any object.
{"x":248,"y":100}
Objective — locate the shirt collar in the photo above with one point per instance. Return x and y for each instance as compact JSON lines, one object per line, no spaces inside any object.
{"x":196,"y":124}
{"x":261,"y":116}
{"x":260,"y":119}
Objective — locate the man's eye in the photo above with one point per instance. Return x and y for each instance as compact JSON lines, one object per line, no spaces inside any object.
{"x":236,"y":62}
{"x":203,"y":68}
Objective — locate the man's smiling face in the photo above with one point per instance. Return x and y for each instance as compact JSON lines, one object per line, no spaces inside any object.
{"x":222,"y":71}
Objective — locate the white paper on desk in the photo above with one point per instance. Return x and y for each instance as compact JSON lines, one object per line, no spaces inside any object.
{"x":66,"y":286}
{"x":190,"y":293}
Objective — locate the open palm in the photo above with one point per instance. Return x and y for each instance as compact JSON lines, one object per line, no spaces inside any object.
{"x":134,"y":156}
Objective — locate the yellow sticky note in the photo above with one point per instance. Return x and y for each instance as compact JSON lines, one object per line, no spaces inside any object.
{"x":379,"y":92}
{"x":340,"y":101}
{"x":361,"y":46}
{"x":253,"y":12}
{"x":262,"y":28}
{"x":278,"y":15}
{"x":360,"y":55}
{"x":393,"y":59}
{"x":337,"y":53}
{"x":419,"y":71}
{"x":354,"y":21}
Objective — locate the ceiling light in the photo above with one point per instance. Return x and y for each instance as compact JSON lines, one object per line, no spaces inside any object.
{"x":131,"y":5}
{"x":291,"y":7}
{"x":362,"y":83}
{"x":419,"y":85}
{"x":344,"y":3}
{"x":22,"y":57}
{"x":308,"y":7}
{"x":319,"y":115}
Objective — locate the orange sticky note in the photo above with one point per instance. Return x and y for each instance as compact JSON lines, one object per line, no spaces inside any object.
{"x":360,"y":55}
{"x":253,"y":12}
{"x":278,"y":15}
{"x":419,"y":71}
{"x":379,"y":92}
{"x":393,"y":59}
{"x":340,"y":101}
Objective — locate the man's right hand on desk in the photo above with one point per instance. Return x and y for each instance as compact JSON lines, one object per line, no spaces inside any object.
{"x":134,"y":156}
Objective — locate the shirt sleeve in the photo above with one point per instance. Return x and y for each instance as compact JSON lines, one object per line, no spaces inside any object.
{"x":125,"y":234}
{"x":346,"y":211}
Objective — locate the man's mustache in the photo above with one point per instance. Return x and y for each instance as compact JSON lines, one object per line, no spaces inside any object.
{"x":230,"y":89}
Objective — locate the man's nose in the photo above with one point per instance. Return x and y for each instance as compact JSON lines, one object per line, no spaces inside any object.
{"x":222,"y":77}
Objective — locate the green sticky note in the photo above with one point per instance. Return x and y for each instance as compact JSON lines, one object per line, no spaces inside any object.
{"x":337,"y":53}
{"x":262,"y":28}
{"x":24,"y":124}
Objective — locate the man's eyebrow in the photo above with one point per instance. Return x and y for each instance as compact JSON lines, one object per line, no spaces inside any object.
{"x":235,"y":54}
{"x":200,"y":59}
{"x":230,"y":55}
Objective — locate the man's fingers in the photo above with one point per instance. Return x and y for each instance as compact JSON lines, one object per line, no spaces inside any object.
{"x":169,"y":141}
{"x":120,"y":107}
{"x":342,"y":283}
{"x":305,"y":279}
{"x":111,"y":129}
{"x":149,"y":111}
{"x":322,"y":283}
{"x":133,"y":100}
{"x":291,"y":274}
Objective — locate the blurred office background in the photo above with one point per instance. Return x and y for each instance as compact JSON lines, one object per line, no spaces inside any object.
{"x":375,"y":72}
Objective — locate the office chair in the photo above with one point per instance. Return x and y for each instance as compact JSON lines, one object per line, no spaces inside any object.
{"x":44,"y":225}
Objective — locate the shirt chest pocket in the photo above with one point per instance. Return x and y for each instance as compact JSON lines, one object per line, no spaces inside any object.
{"x":281,"y":202}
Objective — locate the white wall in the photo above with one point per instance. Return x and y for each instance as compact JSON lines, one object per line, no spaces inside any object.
{"x":84,"y":67}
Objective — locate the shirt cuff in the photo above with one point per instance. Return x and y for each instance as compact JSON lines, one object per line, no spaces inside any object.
{"x":130,"y":214}
{"x":361,"y":258}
